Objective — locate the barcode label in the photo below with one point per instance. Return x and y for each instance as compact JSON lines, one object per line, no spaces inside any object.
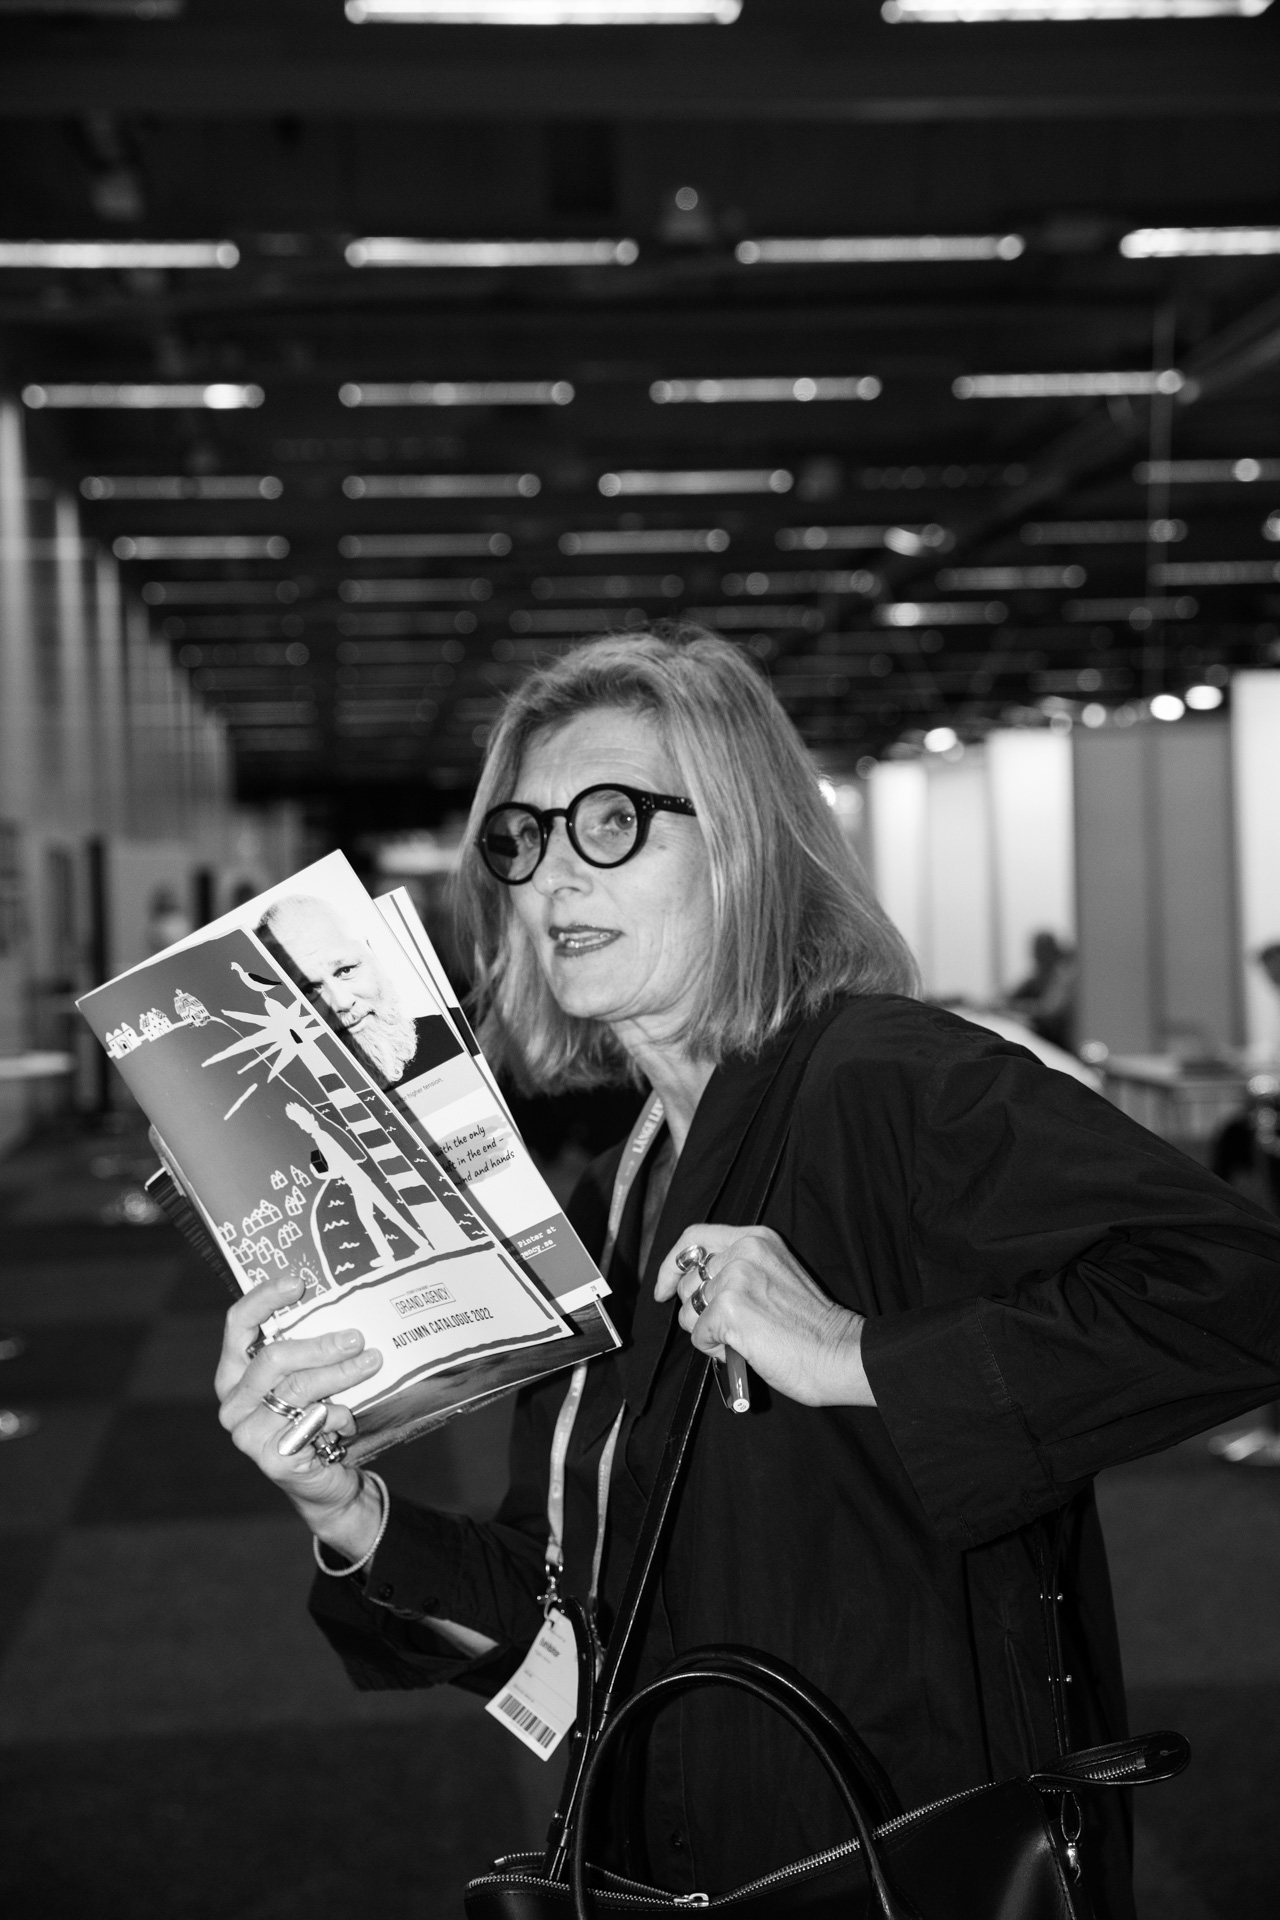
{"x":524,"y":1717}
{"x":540,"y":1701}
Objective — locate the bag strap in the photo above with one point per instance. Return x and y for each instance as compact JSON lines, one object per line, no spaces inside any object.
{"x":744,"y":1191}
{"x":743,"y":1196}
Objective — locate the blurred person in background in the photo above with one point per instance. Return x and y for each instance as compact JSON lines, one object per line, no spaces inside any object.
{"x":975,"y":1285}
{"x":1046,"y":999}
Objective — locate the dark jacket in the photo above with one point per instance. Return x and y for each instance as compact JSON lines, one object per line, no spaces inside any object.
{"x":1050,"y":1290}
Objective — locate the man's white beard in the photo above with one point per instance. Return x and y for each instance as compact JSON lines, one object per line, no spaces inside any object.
{"x":387,"y":1042}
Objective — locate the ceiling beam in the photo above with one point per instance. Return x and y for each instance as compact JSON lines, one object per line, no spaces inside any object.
{"x":865,"y":73}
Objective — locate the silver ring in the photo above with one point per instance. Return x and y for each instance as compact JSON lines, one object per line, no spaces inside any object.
{"x":255,"y":1346}
{"x":698,"y":1298}
{"x":283,"y":1408}
{"x":330,"y":1447}
{"x":690,"y":1257}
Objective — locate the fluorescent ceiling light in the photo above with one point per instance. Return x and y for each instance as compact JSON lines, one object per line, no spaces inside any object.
{"x":909,"y":540}
{"x":181,"y":486}
{"x":544,"y":13}
{"x":1166,"y":473}
{"x":1167,"y":706}
{"x":492,"y":253}
{"x":1009,"y":579}
{"x":201,"y":546}
{"x":1066,"y":386}
{"x":842,"y":580}
{"x":422,"y":546}
{"x":698,"y":480}
{"x":1216,"y":573}
{"x":972,"y":12}
{"x":1139,"y":613}
{"x":457,"y":393}
{"x":404,"y":623}
{"x":877,"y":250}
{"x":940,"y":613}
{"x":373,"y":591}
{"x":754,"y":619}
{"x":82,"y":255}
{"x":646,"y":540}
{"x":199,"y":593}
{"x":222,"y":396}
{"x":713,"y":392}
{"x":578,"y":619}
{"x":1102,"y":533}
{"x":1190,"y":243}
{"x":609,"y":586}
{"x":441,"y":486}
{"x":1204,"y":698}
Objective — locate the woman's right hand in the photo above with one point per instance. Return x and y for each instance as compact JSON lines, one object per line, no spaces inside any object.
{"x":300,"y":1372}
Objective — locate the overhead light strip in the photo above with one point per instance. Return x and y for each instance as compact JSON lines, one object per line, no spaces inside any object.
{"x":979,"y":12}
{"x":457,"y":393}
{"x":1009,"y":579}
{"x":220,"y":396}
{"x":543,"y":13}
{"x":712,"y":393}
{"x":1194,"y":243}
{"x":879,"y":250}
{"x":422,"y":546}
{"x":1102,"y":533}
{"x":645,"y":540}
{"x":899,"y":539}
{"x":391,"y":252}
{"x":441,"y":486}
{"x":1167,"y":473}
{"x":1216,"y":573}
{"x":1112,"y":384}
{"x":97,"y":255}
{"x":201,"y":546}
{"x":696,"y":480}
{"x":940,"y":613}
{"x":397,"y":592}
{"x":181,"y":486}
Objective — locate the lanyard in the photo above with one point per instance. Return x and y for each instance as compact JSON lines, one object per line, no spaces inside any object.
{"x":633,"y":1155}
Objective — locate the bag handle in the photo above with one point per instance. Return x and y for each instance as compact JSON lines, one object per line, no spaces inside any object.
{"x":745,"y":1190}
{"x":793,"y":1700}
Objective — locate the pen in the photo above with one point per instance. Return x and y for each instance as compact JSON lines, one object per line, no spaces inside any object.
{"x":733,"y":1381}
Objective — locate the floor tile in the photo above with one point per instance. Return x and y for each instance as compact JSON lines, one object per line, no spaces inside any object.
{"x":41,"y":1475}
{"x":1193,"y":1606}
{"x":35,"y":1294}
{"x":291,"y":1825}
{"x":186,"y":1627}
{"x":177,"y":1359}
{"x":72,"y":1362}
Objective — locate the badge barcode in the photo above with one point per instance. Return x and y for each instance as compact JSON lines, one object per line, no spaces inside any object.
{"x":542,"y":1733}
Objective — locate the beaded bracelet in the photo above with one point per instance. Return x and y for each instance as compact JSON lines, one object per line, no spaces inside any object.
{"x":340,"y":1573}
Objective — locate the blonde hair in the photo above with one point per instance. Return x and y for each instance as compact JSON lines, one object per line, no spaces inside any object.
{"x":794,"y":922}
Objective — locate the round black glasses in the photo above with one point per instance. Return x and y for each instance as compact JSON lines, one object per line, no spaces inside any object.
{"x":606,"y":825}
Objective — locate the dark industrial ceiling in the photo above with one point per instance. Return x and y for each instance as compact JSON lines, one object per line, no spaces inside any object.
{"x":356,"y":669}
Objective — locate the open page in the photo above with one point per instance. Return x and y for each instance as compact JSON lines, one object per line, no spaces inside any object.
{"x":474,"y":1132}
{"x":300,"y":1163}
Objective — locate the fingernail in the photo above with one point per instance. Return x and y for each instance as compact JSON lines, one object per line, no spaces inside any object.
{"x":349,"y":1340}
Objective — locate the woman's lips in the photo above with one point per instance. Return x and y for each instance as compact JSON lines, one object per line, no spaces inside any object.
{"x":573,"y":941}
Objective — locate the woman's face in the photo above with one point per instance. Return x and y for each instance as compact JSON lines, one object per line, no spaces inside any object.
{"x":620,"y":944}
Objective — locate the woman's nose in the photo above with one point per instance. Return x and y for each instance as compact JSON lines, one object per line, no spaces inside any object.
{"x":560,"y":865}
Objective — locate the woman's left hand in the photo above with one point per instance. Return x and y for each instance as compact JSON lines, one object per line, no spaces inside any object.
{"x":761,"y":1301}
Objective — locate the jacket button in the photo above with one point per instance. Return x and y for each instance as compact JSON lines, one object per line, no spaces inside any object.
{"x":385,"y":1592}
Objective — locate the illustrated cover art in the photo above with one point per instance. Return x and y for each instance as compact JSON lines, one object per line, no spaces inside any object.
{"x":301,"y":1163}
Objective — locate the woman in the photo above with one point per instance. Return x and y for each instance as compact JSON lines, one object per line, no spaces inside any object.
{"x":976,"y":1284}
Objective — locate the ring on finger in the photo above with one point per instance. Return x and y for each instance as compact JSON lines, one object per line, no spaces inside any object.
{"x":284,"y":1408}
{"x":329,"y":1447}
{"x":255,"y":1346}
{"x":698,"y":1298}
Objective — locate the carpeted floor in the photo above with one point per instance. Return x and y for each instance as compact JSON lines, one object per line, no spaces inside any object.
{"x":176,"y":1740}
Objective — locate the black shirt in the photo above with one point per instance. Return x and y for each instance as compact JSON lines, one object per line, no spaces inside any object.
{"x":1050,"y":1290}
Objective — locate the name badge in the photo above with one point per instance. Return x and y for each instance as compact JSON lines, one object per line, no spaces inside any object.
{"x":539,"y":1703}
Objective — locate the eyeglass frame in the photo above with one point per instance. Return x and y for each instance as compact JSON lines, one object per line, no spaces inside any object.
{"x":645,"y":804}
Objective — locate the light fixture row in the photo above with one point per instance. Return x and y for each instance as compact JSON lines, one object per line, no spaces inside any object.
{"x":866,"y":250}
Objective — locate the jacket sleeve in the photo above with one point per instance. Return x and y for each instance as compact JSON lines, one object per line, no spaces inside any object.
{"x":487,"y":1575}
{"x":1088,"y":1294}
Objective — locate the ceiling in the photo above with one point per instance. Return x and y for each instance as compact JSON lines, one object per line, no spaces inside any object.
{"x":365,"y":676}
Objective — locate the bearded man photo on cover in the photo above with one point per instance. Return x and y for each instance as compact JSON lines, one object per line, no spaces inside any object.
{"x":345,"y":981}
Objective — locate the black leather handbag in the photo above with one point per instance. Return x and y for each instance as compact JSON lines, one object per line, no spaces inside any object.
{"x":998,"y":1851}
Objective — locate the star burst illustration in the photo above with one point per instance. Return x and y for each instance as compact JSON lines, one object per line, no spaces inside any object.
{"x":282,"y":1033}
